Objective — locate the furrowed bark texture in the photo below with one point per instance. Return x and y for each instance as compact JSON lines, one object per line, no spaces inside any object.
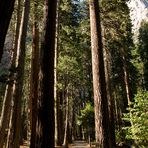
{"x":99,"y":84}
{"x":45,"y":119}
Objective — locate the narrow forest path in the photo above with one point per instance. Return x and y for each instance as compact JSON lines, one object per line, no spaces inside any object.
{"x":79,"y":144}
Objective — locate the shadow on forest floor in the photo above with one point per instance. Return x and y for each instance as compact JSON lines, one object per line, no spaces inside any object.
{"x":75,"y":144}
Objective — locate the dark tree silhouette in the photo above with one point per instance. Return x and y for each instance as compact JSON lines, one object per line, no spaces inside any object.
{"x":45,"y":118}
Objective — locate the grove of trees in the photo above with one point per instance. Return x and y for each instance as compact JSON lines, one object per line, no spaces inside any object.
{"x":72,"y":70}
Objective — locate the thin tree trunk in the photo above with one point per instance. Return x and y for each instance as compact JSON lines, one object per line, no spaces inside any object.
{"x":65,"y":142}
{"x":126,"y":76}
{"x":9,"y":136}
{"x":118,"y":110}
{"x":34,"y":76}
{"x":55,"y":77}
{"x":45,"y":118}
{"x":70,"y":116}
{"x":74,"y":126}
{"x":5,"y":114}
{"x":60,"y":118}
{"x":99,"y":85}
{"x":16,"y":117}
{"x":6,"y":9}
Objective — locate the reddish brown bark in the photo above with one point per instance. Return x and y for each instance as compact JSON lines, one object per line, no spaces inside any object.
{"x":45,"y":118}
{"x":16,"y":117}
{"x":34,"y":76}
{"x":111,"y":100}
{"x":99,"y":85}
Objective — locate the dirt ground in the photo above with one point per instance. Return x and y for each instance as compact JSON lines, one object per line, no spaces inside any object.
{"x":76,"y":144}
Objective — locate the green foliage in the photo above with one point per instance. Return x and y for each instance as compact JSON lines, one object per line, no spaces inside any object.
{"x":140,"y":57}
{"x":74,"y":54}
{"x":68,"y":70}
{"x":138,"y":117}
{"x":118,"y":136}
{"x":117,"y":36}
{"x":87,"y":116}
{"x":137,"y":62}
{"x":143,"y":50}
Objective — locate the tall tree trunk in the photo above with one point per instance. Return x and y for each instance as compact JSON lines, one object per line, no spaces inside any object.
{"x":99,"y":85}
{"x":60,"y":119}
{"x":74,"y":125}
{"x":59,"y":128}
{"x":6,"y":9}
{"x":65,"y":141}
{"x":111,"y":101}
{"x":16,"y":116}
{"x":45,"y":118}
{"x":5,"y":114}
{"x":55,"y":77}
{"x":34,"y":76}
{"x":9,"y":88}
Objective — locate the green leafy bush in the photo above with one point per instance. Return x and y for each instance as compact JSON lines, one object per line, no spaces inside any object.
{"x":138,"y":117}
{"x":87,"y":116}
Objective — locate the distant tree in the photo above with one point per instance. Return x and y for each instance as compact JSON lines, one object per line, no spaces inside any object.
{"x":6,"y":9}
{"x":143,"y":51}
{"x":87,"y":120}
{"x":68,"y":65}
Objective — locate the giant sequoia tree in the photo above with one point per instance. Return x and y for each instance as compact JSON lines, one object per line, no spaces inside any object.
{"x":99,"y":85}
{"x":6,"y":9}
{"x":45,"y":117}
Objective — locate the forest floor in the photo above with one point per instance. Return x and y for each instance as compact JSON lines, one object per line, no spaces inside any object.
{"x":79,"y":144}
{"x":75,"y":144}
